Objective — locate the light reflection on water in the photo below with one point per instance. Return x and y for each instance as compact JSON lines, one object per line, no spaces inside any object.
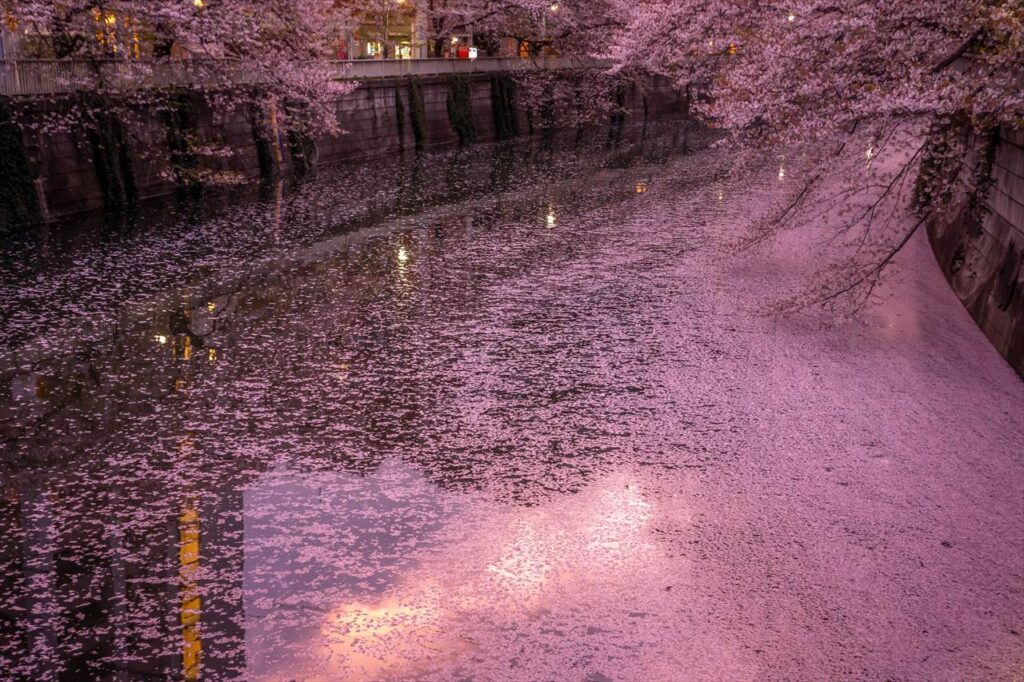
{"x":296,"y":572}
{"x":310,"y":446}
{"x":497,"y":564}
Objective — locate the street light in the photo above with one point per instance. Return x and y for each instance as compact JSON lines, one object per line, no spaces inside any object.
{"x":544,"y":28}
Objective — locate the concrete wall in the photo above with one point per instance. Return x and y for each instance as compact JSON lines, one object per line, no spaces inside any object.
{"x":983,"y":262}
{"x":65,"y":164}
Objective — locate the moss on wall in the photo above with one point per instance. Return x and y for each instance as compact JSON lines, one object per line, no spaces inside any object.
{"x":618,"y":115}
{"x":301,"y":144}
{"x":503,"y":104}
{"x":303,"y":149}
{"x":417,"y":113}
{"x":940,"y":161}
{"x":977,"y":206}
{"x":263,"y":140}
{"x":941,"y":174}
{"x":18,"y":203}
{"x":182,"y":120}
{"x":547,"y":116}
{"x":460,"y":109}
{"x":400,"y":118}
{"x":111,"y":153}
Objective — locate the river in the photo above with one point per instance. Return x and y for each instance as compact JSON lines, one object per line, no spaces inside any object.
{"x":503,"y":413}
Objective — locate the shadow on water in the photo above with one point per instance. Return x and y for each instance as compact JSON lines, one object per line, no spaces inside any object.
{"x":182,"y":386}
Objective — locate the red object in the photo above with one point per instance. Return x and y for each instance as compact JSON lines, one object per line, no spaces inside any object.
{"x":462,"y":52}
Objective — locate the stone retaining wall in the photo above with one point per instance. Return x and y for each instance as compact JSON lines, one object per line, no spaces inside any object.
{"x":983,"y":262}
{"x":65,"y":164}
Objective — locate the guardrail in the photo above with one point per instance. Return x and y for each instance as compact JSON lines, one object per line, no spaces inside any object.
{"x":391,"y":68}
{"x":35,"y":77}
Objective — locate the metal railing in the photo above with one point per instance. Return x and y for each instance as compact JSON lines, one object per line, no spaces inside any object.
{"x":46,"y":77}
{"x":392,"y":68}
{"x":37,"y":77}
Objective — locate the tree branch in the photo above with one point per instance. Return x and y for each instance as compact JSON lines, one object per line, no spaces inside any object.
{"x":959,"y":52}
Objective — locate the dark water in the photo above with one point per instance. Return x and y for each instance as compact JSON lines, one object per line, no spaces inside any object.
{"x":226,"y":426}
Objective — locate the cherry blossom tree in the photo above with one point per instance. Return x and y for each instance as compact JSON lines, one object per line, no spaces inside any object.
{"x":784,"y":73}
{"x":826,"y":86}
{"x":135,"y":52}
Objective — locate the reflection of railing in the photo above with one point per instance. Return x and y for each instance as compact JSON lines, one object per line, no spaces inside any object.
{"x":43,"y":77}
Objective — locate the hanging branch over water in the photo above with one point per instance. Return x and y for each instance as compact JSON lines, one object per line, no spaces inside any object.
{"x":792,"y":81}
{"x":134,"y":52}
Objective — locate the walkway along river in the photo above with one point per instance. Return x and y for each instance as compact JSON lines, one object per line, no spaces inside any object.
{"x":498,"y":414}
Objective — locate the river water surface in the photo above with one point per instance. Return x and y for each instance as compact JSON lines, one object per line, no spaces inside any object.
{"x":499,"y":414}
